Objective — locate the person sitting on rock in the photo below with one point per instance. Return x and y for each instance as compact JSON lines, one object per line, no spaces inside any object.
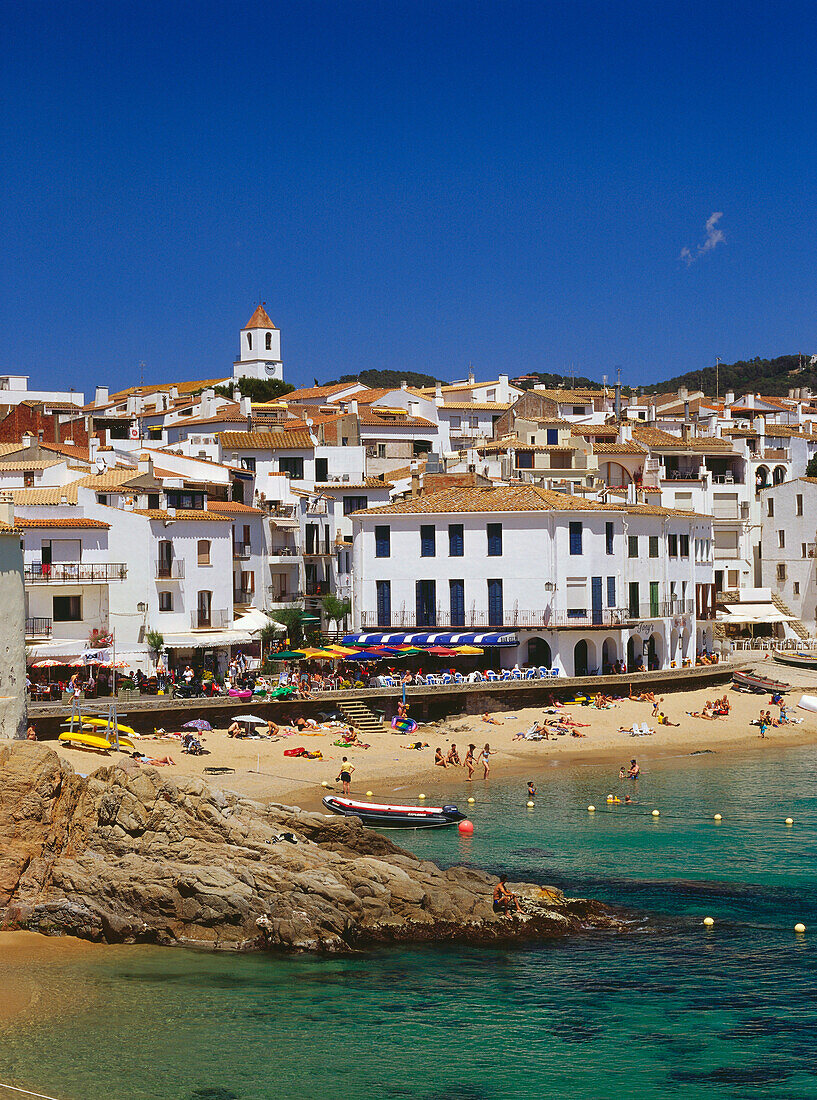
{"x":439,"y":759}
{"x":503,"y":897}
{"x":453,"y":756}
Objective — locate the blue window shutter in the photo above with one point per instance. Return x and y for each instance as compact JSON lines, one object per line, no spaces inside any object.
{"x":427,"y":541}
{"x":384,"y":603}
{"x":494,"y":540}
{"x":382,"y":542}
{"x":457,"y":593}
{"x":426,"y":592}
{"x":456,"y":547}
{"x":553,"y":437}
{"x":495,"y":610}
{"x":611,"y":591}
{"x":575,"y":538}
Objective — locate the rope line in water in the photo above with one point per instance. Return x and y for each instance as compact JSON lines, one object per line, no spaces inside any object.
{"x":27,"y":1092}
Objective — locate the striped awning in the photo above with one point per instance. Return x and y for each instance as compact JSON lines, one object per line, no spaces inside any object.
{"x":435,"y":637}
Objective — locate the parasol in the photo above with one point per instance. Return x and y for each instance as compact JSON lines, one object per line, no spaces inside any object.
{"x":197,"y":724}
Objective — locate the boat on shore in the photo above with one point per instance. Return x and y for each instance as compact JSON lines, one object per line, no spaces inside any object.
{"x":752,"y":681}
{"x":380,"y":816}
{"x":796,"y":658}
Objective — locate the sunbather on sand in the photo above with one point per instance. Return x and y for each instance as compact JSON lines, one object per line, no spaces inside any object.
{"x":492,"y":721}
{"x":155,"y":761}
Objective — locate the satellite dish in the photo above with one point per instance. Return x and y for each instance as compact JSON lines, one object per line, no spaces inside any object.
{"x":100,"y":465}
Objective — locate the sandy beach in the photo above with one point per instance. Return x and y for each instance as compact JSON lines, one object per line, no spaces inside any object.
{"x":261,"y":770}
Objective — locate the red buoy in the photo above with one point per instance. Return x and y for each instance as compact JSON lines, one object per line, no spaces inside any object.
{"x":466,"y":828}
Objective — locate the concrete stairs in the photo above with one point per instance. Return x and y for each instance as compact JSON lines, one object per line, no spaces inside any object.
{"x":796,"y":625}
{"x":361,"y":716}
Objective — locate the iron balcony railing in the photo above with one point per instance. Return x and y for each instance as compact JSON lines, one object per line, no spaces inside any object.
{"x":243,"y":596}
{"x":74,"y":572}
{"x":546,"y":619}
{"x":317,"y":588}
{"x":284,"y":551}
{"x":170,"y":570}
{"x":38,"y":627}
{"x":241,"y":550}
{"x":215,"y":619}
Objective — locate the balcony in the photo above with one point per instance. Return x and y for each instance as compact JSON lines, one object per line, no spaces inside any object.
{"x":275,"y":510}
{"x":776,"y":454}
{"x":216,"y":619}
{"x":290,"y":553}
{"x":170,"y":570}
{"x":38,"y":628}
{"x":317,"y":588}
{"x":317,"y":552}
{"x":278,"y":597}
{"x":546,"y":619}
{"x":74,"y":572}
{"x":241,"y":550}
{"x":243,"y":596}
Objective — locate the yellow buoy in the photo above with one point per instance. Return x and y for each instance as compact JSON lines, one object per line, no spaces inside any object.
{"x":799,"y":928}
{"x":655,"y":813}
{"x":471,"y":799}
{"x":324,"y":783}
{"x":421,"y":796}
{"x":718,"y":817}
{"x":709,"y":922}
{"x":531,"y":804}
{"x":591,"y":809}
{"x":789,"y":820}
{"x":369,"y":794}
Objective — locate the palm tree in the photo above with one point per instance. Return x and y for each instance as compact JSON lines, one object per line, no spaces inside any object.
{"x":293,"y":619}
{"x":336,"y":610}
{"x":156,"y":642}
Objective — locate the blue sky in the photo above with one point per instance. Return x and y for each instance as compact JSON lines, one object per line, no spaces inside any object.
{"x":407,"y":185}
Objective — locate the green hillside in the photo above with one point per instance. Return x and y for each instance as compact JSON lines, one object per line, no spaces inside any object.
{"x":774,"y":377}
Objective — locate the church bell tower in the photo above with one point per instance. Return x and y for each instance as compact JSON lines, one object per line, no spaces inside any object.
{"x":260,"y":349}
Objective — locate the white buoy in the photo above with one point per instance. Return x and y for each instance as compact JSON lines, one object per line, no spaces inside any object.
{"x":369,"y":794}
{"x":718,"y":817}
{"x":421,"y":796}
{"x":471,"y":799}
{"x":800,"y":928}
{"x":708,"y":922}
{"x":591,"y":809}
{"x":531,"y":804}
{"x":609,"y":798}
{"x":789,"y":820}
{"x":655,"y":813}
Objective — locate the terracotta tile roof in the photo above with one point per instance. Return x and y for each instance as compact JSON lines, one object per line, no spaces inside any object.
{"x":317,"y":391}
{"x":600,"y":448}
{"x":342,"y":486}
{"x":265,"y":441}
{"x":6,"y":530}
{"x":10,"y":448}
{"x":565,"y":397}
{"x":182,"y":514}
{"x":157,"y":387}
{"x":789,"y":431}
{"x":259,"y":319}
{"x":111,"y":479}
{"x":234,"y":506}
{"x":655,"y":438}
{"x":740,"y":433}
{"x":29,"y":464}
{"x":62,"y":521}
{"x":79,"y":453}
{"x":371,"y":419}
{"x":56,"y":494}
{"x":478,"y":406}
{"x":524,"y":497}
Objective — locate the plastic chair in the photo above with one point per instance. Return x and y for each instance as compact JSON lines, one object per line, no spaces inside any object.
{"x":555,"y":672}
{"x":530,"y":674}
{"x":506,"y":675}
{"x":544,"y":673}
{"x":492,"y":676}
{"x":447,"y":679}
{"x":459,"y":678}
{"x":421,"y":680}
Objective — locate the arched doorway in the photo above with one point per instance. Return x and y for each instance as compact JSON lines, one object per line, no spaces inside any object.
{"x":614,"y":474}
{"x":635,"y":653}
{"x":674,"y":641}
{"x":655,"y":648}
{"x":761,"y":477}
{"x":580,"y":667}
{"x":779,"y":475}
{"x":539,"y":653}
{"x":609,"y":655}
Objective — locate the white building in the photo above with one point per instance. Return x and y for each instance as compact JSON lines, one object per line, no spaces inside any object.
{"x":260,"y":349}
{"x":788,"y":548}
{"x":570,"y":583}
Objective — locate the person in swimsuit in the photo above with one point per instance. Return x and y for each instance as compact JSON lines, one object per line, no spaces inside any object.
{"x":503,"y":898}
{"x":634,"y":771}
{"x":469,"y":760}
{"x":453,"y":756}
{"x":439,"y":759}
{"x":31,"y":734}
{"x":345,"y":776}
{"x":483,"y":759}
{"x":531,"y":789}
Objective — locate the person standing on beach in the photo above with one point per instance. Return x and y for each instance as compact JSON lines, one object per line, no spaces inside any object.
{"x":483,"y":759}
{"x":468,"y":762}
{"x":345,"y":776}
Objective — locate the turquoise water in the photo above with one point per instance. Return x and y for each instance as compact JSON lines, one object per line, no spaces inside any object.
{"x":669,"y":1010}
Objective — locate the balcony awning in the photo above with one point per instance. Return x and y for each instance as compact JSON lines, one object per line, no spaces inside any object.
{"x":746,"y":613}
{"x":207,"y":639}
{"x":435,"y":637}
{"x":284,"y":524}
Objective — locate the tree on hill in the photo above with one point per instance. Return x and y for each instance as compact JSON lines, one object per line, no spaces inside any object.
{"x":257,"y":389}
{"x":774,"y":377}
{"x":388,"y":379}
{"x":558,"y":382}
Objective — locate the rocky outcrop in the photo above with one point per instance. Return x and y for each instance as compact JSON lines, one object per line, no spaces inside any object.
{"x":130,"y":854}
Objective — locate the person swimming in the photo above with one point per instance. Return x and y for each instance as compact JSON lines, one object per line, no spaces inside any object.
{"x":531,"y":789}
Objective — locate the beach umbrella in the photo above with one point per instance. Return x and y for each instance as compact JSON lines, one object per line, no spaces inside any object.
{"x":371,"y":656}
{"x":47,"y":663}
{"x":319,"y":654}
{"x":471,"y":649}
{"x":77,"y":663}
{"x":342,"y":650}
{"x":197,"y":724}
{"x":250,"y":718}
{"x":441,"y":651}
{"x":286,"y":655}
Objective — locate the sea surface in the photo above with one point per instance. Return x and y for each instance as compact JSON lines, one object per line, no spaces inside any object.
{"x":670,"y":1009}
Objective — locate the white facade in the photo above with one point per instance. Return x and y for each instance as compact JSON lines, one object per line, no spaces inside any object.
{"x":788,"y":549}
{"x":259,"y":349}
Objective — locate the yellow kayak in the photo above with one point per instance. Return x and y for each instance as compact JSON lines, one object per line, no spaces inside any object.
{"x":93,"y":741}
{"x":102,"y":723}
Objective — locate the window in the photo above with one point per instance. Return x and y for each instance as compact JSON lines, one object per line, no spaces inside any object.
{"x":781,"y":571}
{"x":803,"y":550}
{"x":494,"y":540}
{"x":796,"y":588}
{"x":672,"y":546}
{"x":524,"y":460}
{"x":456,"y":592}
{"x":799,"y":504}
{"x":205,"y":605}
{"x":575,"y":531}
{"x":608,"y":537}
{"x":382,"y":542}
{"x":632,"y":546}
{"x":268,"y":342}
{"x":781,"y":539}
{"x":633,"y":601}
{"x":654,"y":609}
{"x":611,"y":591}
{"x":165,"y":601}
{"x":456,"y":540}
{"x":495,"y":610}
{"x":354,"y":504}
{"x":426,"y":596}
{"x":381,"y":450}
{"x":553,"y":437}
{"x":204,"y":552}
{"x":653,"y":546}
{"x":428,"y":547}
{"x":684,"y":546}
{"x":294,"y":466}
{"x":67,"y":609}
{"x":249,"y":340}
{"x":248,"y":463}
{"x":321,"y":469}
{"x":578,"y":410}
{"x":576,"y":591}
{"x":383,"y":603}
{"x":28,"y":479}
{"x":770,"y":507}
{"x":102,"y":498}
{"x":153,"y":501}
{"x":165,"y":564}
{"x":248,"y":582}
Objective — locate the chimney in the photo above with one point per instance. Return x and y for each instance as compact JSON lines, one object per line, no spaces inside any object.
{"x":7,"y":509}
{"x":625,"y":433}
{"x":40,"y":435}
{"x":438,"y":394}
{"x":404,"y":385}
{"x":618,"y":401}
{"x":27,"y":439}
{"x":470,"y":376}
{"x":353,"y":407}
{"x":729,"y":398}
{"x":683,"y":393}
{"x":759,"y":424}
{"x":101,"y":396}
{"x":686,"y":409}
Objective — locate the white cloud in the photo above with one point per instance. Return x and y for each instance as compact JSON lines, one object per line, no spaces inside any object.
{"x":714,"y":237}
